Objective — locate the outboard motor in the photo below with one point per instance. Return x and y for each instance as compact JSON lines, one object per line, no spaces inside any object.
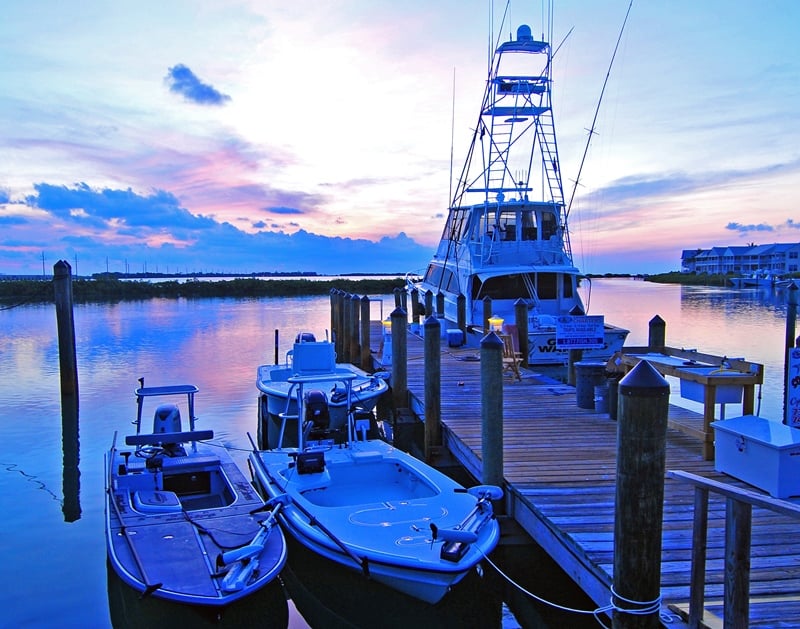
{"x":167,"y":419}
{"x":317,"y":416}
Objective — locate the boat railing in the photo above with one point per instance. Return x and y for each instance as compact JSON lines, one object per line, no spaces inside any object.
{"x":298,"y":384}
{"x":503,"y":252}
{"x":739,"y":505}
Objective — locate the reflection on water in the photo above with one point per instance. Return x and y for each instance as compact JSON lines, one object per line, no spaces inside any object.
{"x":54,"y":539}
{"x":747,"y":323}
{"x":71,"y":479}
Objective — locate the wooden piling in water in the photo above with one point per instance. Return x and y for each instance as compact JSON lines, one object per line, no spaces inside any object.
{"x":639,"y":501}
{"x":366,"y":362}
{"x":355,"y":326}
{"x":399,"y":359}
{"x":65,"y":323}
{"x":791,"y":342}
{"x":433,"y":387}
{"x":492,"y":409}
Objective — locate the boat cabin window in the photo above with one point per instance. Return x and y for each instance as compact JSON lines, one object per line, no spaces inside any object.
{"x":433,"y":274}
{"x":528,"y":225}
{"x":502,"y":287}
{"x":549,"y":225}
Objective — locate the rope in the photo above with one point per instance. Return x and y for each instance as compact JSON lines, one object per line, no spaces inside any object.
{"x":637,"y":608}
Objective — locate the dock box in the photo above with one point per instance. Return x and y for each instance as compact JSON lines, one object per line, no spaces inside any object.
{"x":455,"y":337}
{"x":763,"y":453}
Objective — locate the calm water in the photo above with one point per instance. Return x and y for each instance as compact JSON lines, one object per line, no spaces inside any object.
{"x":52,"y":526}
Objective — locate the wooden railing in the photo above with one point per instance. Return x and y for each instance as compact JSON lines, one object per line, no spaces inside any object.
{"x":738,"y":532}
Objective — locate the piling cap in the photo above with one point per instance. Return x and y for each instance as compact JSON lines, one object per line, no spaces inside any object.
{"x":644,"y":381}
{"x":491,"y":340}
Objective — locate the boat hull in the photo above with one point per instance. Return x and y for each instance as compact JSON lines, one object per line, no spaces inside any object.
{"x":156,"y":546}
{"x":371,"y":508}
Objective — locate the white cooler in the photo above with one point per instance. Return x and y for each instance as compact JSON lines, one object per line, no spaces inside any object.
{"x":763,"y":453}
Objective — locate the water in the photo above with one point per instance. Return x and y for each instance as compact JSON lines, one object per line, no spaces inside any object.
{"x":54,"y":564}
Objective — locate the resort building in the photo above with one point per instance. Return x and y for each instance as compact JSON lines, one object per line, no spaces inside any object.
{"x":778,"y":259}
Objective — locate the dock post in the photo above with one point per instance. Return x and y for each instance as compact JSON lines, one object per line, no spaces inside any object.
{"x":487,"y":312}
{"x":639,"y":503}
{"x":366,"y":362}
{"x":791,"y":323}
{"x":428,"y":303}
{"x":399,"y":359}
{"x":68,"y":365}
{"x":398,"y":297}
{"x":344,"y":353}
{"x":575,"y":356}
{"x":415,"y":306}
{"x":65,"y":323}
{"x":440,"y":305}
{"x":461,"y":305}
{"x":657,"y":338}
{"x":355,"y":328}
{"x":433,"y":388}
{"x":492,"y":409}
{"x":521,"y":320}
{"x":336,"y":319}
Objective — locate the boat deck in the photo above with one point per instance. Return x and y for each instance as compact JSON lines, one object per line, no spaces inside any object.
{"x":560,"y":470}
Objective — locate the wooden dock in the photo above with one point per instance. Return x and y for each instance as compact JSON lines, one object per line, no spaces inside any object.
{"x":560,"y":474}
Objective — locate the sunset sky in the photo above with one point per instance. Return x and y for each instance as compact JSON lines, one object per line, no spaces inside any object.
{"x":256,"y":135}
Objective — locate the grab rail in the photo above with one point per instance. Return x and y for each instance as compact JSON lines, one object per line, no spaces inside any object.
{"x":738,"y":532}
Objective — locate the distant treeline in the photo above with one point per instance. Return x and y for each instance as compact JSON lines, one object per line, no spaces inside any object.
{"x":112,"y":289}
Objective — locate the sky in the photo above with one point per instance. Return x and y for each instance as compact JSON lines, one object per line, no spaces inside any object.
{"x":256,"y":135}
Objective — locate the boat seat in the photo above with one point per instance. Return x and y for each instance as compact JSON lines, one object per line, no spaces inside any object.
{"x":313,"y":358}
{"x":155,"y":501}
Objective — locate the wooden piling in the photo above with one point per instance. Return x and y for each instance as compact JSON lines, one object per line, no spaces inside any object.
{"x":428,"y":303}
{"x":399,"y":359}
{"x":366,"y":358}
{"x":639,"y":503}
{"x":487,"y":313}
{"x":492,"y":409}
{"x":336,"y":320}
{"x":415,"y":305}
{"x":657,"y":334}
{"x":440,"y":305}
{"x":355,"y":329}
{"x":65,"y":323}
{"x":433,"y":387}
{"x":521,"y":320}
{"x":791,"y":323}
{"x":461,"y":314}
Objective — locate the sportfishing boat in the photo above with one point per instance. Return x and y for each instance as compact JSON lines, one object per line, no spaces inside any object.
{"x":373,"y":508}
{"x":182,"y":521}
{"x":506,"y":235}
{"x":309,"y":359}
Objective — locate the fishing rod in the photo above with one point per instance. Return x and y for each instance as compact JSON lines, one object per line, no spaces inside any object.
{"x":597,"y":110}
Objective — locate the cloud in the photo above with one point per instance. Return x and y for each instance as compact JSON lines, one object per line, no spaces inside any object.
{"x":283,"y":210}
{"x":102,"y":208}
{"x":183,"y":81}
{"x":761,"y":227}
{"x":124,"y":228}
{"x":5,"y":196}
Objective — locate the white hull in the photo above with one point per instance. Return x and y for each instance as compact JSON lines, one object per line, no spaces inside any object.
{"x":371,"y":508}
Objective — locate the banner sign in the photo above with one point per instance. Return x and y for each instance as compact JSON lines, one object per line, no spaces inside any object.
{"x":580,"y":332}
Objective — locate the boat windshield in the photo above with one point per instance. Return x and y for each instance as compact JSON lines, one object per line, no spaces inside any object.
{"x":537,"y":286}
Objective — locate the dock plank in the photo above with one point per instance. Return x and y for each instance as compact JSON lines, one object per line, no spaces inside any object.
{"x":560,"y":470}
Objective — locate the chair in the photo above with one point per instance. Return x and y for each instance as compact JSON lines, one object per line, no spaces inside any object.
{"x":510,"y":357}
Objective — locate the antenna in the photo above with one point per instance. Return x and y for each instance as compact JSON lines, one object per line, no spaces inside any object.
{"x":597,"y":109}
